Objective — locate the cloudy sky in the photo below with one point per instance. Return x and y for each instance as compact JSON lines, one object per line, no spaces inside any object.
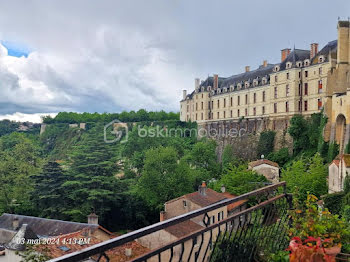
{"x":109,"y":56}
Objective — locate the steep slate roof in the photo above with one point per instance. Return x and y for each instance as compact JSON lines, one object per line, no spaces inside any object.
{"x":295,"y":56}
{"x":43,"y":226}
{"x":248,"y":76}
{"x":262,"y":161}
{"x":184,"y":228}
{"x":25,"y":233}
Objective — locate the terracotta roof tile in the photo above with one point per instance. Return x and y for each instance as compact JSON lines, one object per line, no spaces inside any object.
{"x":184,"y":228}
{"x":66,"y":244}
{"x":235,"y":204}
{"x":209,"y":198}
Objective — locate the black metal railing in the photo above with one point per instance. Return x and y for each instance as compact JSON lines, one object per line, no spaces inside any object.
{"x":250,"y":233}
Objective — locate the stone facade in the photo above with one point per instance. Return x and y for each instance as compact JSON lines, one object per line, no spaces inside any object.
{"x":267,"y":168}
{"x":338,"y":170}
{"x":304,"y":82}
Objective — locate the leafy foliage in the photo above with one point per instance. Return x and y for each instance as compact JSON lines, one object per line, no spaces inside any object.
{"x":266,"y":143}
{"x":239,"y":180}
{"x":306,"y":176}
{"x":281,"y":157}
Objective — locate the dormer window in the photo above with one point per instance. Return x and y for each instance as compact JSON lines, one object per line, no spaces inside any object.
{"x":288,"y":65}
{"x":264,"y":81}
{"x":232,"y":88}
{"x":321,"y":59}
{"x":225,"y":89}
{"x":306,"y":62}
{"x":213,"y":92}
{"x":255,"y":82}
{"x":219,"y":91}
{"x":247,"y":84}
{"x":299,"y":64}
{"x":239,"y":86}
{"x":276,"y":68}
{"x":203,"y":88}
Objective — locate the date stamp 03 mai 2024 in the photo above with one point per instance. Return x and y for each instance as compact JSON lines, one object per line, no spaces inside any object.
{"x":54,"y":241}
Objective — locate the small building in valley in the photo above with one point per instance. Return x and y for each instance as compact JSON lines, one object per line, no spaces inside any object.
{"x":267,"y":168}
{"x":337,"y":171}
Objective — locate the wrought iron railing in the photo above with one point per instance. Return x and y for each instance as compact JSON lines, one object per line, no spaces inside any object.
{"x":248,"y":234}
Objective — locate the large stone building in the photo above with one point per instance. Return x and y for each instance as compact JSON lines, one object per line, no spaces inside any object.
{"x":303,"y":82}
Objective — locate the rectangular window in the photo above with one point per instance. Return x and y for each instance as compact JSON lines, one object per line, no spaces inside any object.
{"x":263,"y":96}
{"x":224,"y":102}
{"x":246,"y":112}
{"x":299,"y":106}
{"x":218,"y":103}
{"x":306,"y":73}
{"x":201,"y":116}
{"x":231,"y":101}
{"x":287,"y":90}
{"x":306,"y":89}
{"x":224,"y":114}
{"x":254,"y":97}
{"x":305,"y":105}
{"x":209,"y":105}
{"x":319,"y":104}
{"x":263,"y":110}
{"x":254,"y":111}
{"x":238,"y":112}
{"x":275,"y":107}
{"x":202,"y":105}
{"x":246,"y":99}
{"x":218,"y":114}
{"x":299,"y":75}
{"x":320,"y":86}
{"x":184,"y":203}
{"x":212,"y":104}
{"x":276,"y":78}
{"x":287,"y":106}
{"x":238,"y":100}
{"x":320,"y":70}
{"x":275,"y":91}
{"x":300,"y":89}
{"x":196,"y":116}
{"x":287,"y":75}
{"x":231,"y":113}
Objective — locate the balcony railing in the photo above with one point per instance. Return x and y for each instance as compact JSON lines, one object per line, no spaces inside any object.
{"x":246,"y":234}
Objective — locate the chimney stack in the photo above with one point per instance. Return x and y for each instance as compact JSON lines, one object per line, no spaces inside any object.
{"x":247,"y":68}
{"x":93,"y":219}
{"x":265,"y":63}
{"x":196,"y":83}
{"x":216,"y":81}
{"x":128,"y":252}
{"x":162,"y":216}
{"x":223,"y":189}
{"x":284,"y":53}
{"x":15,"y":223}
{"x":203,"y":189}
{"x":184,"y":94}
{"x":313,"y":50}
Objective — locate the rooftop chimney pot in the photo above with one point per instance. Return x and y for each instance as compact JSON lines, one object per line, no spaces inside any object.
{"x":265,"y":63}
{"x":184,"y":94}
{"x":162,"y":216}
{"x":313,"y":50}
{"x":93,"y":219}
{"x":203,"y":189}
{"x":216,"y":81}
{"x":247,"y":68}
{"x":284,"y":53}
{"x":196,"y":83}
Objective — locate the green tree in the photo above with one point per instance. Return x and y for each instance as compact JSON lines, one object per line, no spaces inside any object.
{"x":90,"y":179}
{"x":299,"y":132}
{"x":239,"y":180}
{"x":266,"y":143}
{"x":281,"y":156}
{"x":306,"y":175}
{"x":164,"y":177}
{"x":48,"y":195}
{"x":19,"y":160}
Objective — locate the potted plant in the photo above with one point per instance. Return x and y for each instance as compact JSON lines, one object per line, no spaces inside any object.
{"x":316,"y":234}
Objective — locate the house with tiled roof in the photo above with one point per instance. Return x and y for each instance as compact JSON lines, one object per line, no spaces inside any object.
{"x":267,"y":168}
{"x":14,"y":228}
{"x":187,"y":203}
{"x":338,"y":169}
